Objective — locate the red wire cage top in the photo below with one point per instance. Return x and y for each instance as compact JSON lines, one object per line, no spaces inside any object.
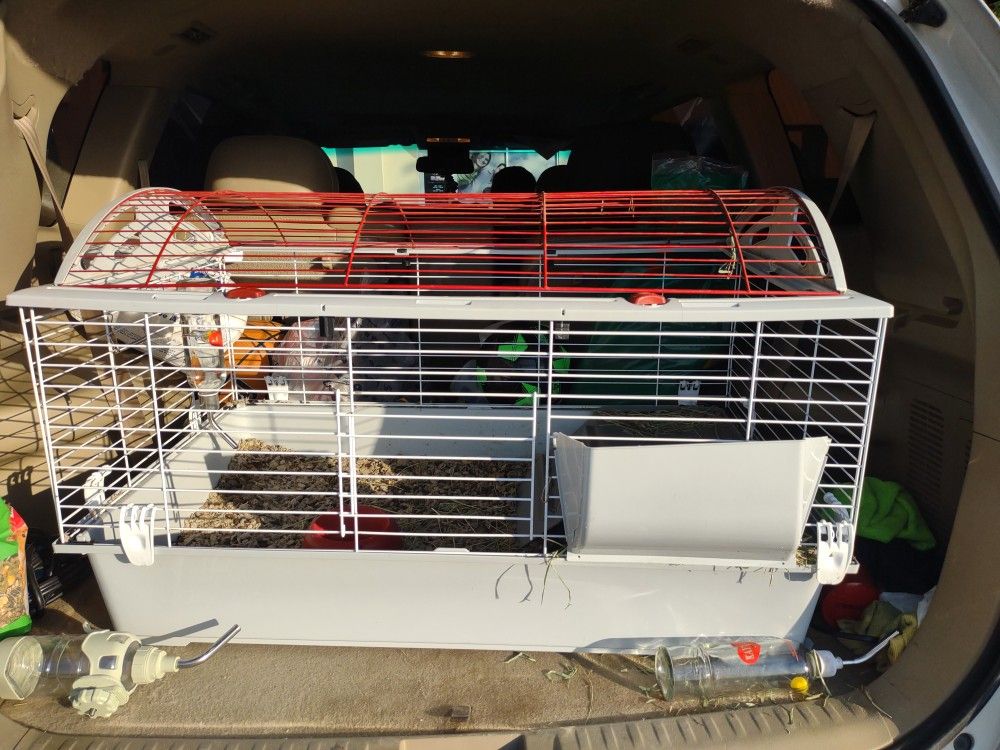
{"x":692,"y":243}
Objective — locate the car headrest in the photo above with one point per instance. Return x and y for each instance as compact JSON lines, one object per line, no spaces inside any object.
{"x":347,"y":182}
{"x":555,"y":179}
{"x":513,"y":180}
{"x":268,"y":163}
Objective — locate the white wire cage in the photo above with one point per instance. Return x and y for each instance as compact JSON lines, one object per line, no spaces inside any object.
{"x":419,"y":420}
{"x":425,"y":424}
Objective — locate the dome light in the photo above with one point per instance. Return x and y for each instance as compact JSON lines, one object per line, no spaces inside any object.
{"x":448,"y":54}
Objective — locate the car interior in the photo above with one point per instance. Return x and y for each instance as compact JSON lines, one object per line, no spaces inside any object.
{"x":552,"y":98}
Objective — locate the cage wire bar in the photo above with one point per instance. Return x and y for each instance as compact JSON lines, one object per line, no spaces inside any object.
{"x":694,"y":243}
{"x":464,"y":442}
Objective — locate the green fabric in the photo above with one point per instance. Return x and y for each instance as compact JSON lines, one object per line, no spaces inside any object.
{"x":889,"y":512}
{"x":9,"y":548}
{"x":637,"y":354}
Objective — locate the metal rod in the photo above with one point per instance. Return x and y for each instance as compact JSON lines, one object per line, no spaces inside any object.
{"x":210,"y":418}
{"x":870,"y":654}
{"x":158,"y":421}
{"x":31,"y":344}
{"x":211,"y":651}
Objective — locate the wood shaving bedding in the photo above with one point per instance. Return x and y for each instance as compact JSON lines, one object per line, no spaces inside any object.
{"x":375,"y":477}
{"x":676,"y":421}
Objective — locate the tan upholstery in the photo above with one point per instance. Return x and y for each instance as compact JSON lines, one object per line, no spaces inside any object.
{"x":258,"y":163}
{"x":266,"y":163}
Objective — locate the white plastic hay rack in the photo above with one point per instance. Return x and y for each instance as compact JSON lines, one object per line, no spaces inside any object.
{"x":612,"y":419}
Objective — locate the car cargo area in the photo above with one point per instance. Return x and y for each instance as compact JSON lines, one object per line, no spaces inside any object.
{"x":470,"y":362}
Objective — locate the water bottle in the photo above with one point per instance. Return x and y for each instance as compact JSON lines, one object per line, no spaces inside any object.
{"x":97,"y":671}
{"x":206,"y":358}
{"x":708,"y":669}
{"x":46,"y":664}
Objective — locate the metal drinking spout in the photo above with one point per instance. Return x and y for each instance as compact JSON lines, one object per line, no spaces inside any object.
{"x":202,"y":658}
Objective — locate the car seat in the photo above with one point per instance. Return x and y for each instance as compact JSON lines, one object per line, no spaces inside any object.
{"x":280,"y":164}
{"x":270,"y":164}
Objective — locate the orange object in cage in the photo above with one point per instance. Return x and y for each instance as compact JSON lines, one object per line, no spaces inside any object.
{"x":251,"y":350}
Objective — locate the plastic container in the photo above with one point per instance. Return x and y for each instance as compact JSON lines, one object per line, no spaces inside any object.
{"x":848,"y":599}
{"x":44,"y":664}
{"x":14,"y":600}
{"x":706,"y":670}
{"x":743,"y":502}
{"x":373,"y":521}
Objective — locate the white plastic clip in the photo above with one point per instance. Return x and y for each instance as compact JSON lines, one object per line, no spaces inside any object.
{"x":277,"y":388}
{"x":194,"y":419}
{"x":93,"y":488}
{"x":833,"y":551}
{"x":135,"y":529}
{"x":688,"y":391}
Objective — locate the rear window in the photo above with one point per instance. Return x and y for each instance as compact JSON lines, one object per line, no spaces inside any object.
{"x":393,"y":169}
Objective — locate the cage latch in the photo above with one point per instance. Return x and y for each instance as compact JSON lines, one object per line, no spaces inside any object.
{"x":834,"y":543}
{"x":135,"y":530}
{"x":277,"y":388}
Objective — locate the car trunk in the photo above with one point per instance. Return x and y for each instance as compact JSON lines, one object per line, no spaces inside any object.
{"x":777,"y":88}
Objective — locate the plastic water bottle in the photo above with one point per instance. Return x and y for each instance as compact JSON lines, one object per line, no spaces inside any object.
{"x":206,"y":356}
{"x":710,"y":669}
{"x":96,"y":671}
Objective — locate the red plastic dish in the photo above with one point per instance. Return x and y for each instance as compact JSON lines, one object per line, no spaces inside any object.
{"x":372,"y":520}
{"x":848,"y":599}
{"x":647,"y":298}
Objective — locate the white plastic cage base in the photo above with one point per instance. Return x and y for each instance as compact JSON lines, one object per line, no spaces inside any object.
{"x":444,"y":600}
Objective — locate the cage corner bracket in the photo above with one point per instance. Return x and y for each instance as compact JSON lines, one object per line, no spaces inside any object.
{"x":277,"y":388}
{"x":834,"y":544}
{"x":93,"y":488}
{"x":135,"y":530}
{"x":688,"y":391}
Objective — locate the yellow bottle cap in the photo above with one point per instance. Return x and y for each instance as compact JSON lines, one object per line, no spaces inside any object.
{"x":799,"y":684}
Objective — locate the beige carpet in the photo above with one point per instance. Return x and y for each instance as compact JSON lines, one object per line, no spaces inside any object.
{"x":289,"y":690}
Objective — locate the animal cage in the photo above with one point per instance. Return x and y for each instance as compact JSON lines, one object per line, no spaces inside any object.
{"x":579,"y":421}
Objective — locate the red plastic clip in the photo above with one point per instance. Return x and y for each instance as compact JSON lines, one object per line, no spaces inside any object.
{"x":244,"y":292}
{"x":647,"y":298}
